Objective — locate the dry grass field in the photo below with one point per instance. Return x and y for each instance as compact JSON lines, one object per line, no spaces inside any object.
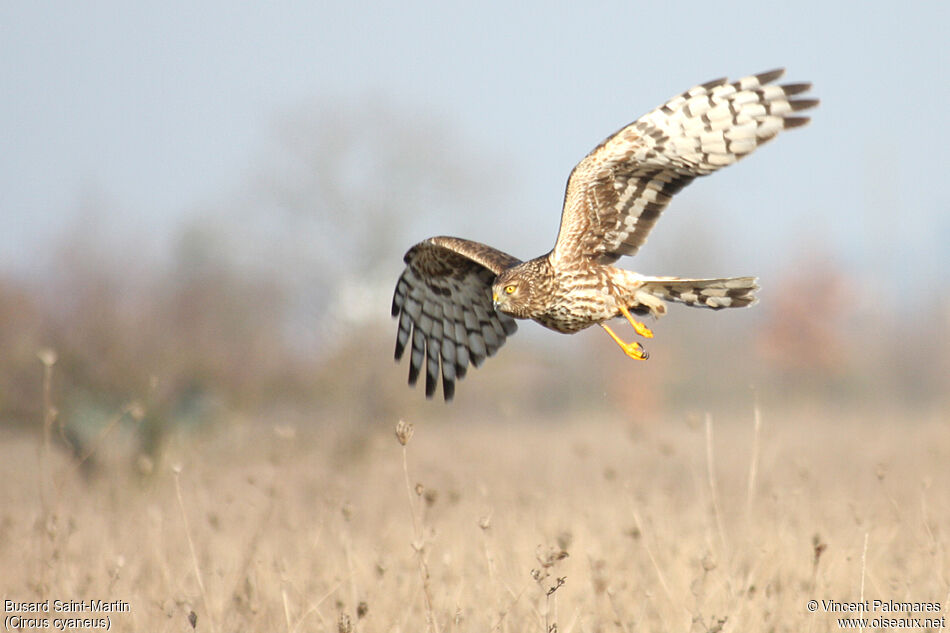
{"x":695,"y":525}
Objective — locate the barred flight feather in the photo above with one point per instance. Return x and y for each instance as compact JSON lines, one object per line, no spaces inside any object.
{"x":444,"y":306}
{"x":616,"y":194}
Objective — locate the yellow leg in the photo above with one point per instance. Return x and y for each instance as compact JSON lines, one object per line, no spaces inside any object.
{"x":641,"y":329}
{"x":631,"y":349}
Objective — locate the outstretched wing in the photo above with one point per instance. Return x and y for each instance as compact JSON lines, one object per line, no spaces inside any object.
{"x":444,"y":304}
{"x":615,"y":195}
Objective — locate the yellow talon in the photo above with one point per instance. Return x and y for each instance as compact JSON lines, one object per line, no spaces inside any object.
{"x":641,"y":329}
{"x":631,"y":349}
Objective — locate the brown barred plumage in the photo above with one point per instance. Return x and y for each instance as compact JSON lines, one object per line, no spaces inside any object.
{"x":455,"y":299}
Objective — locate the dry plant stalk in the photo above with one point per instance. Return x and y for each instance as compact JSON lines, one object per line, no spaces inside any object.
{"x":754,"y":462}
{"x":404,"y":431}
{"x":191,"y":547}
{"x":864,"y":566}
{"x":48,"y":358}
{"x":711,"y":472}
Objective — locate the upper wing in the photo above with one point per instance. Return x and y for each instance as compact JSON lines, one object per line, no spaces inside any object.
{"x":444,"y":304}
{"x":615,"y":195}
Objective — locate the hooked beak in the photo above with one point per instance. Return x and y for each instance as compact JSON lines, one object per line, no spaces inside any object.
{"x":494,"y":299}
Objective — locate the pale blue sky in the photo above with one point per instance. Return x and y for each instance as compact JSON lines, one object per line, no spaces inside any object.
{"x":162,"y":107}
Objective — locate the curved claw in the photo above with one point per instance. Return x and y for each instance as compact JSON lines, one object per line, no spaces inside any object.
{"x":635,"y":351}
{"x":632,"y":349}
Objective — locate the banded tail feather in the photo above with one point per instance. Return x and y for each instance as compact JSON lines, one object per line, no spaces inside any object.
{"x":715,"y":294}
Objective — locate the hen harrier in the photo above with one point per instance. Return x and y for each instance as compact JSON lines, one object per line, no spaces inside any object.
{"x":457,"y":299}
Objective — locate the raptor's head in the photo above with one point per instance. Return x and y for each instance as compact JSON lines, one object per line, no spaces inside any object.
{"x":513,"y":290}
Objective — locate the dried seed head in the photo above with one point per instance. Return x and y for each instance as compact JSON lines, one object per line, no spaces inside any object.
{"x":343,"y":625}
{"x":192,"y":619}
{"x":47,"y":356}
{"x":717,"y":626}
{"x":404,"y":432}
{"x":564,"y":540}
{"x":818,"y":547}
{"x":598,"y":575}
{"x":361,"y":610}
{"x":136,"y":410}
{"x":881,"y":471}
{"x":550,"y":557}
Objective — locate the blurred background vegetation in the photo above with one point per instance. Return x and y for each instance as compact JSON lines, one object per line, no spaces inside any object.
{"x":276,"y":302}
{"x":208,"y":205}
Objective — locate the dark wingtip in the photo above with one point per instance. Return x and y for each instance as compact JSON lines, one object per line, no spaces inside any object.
{"x":795,"y":89}
{"x":770,"y":75}
{"x":448,"y":389}
{"x":795,"y":121}
{"x":803,"y":104}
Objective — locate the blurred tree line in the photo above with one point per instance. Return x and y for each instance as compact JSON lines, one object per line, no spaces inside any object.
{"x":278,"y":299}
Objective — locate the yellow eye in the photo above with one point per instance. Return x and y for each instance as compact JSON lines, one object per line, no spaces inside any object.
{"x":509,"y":290}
